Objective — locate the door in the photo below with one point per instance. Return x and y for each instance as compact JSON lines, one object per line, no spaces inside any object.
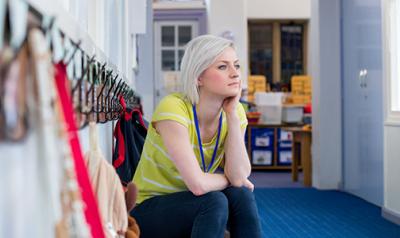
{"x":362,"y":83}
{"x":170,"y":38}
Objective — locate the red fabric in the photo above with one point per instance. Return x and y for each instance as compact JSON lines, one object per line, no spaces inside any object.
{"x":127,"y":115}
{"x":308,"y":108}
{"x":140,"y":117}
{"x":119,"y":136}
{"x":91,"y":209}
{"x":121,"y":146}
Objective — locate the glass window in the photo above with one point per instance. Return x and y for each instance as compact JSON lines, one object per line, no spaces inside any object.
{"x":167,"y":36}
{"x":291,"y":53}
{"x":168,"y":60}
{"x":180,"y":55}
{"x":261,"y":50}
{"x":184,"y":34}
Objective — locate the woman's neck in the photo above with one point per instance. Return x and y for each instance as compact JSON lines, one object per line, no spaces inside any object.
{"x":208,"y":109}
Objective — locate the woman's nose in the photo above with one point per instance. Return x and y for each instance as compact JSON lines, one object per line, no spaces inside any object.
{"x":234,"y":72}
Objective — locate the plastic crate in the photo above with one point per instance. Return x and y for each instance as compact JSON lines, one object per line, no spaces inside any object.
{"x":270,"y":114}
{"x":262,"y":157}
{"x":292,"y":114}
{"x":284,"y":156}
{"x":284,"y":139}
{"x":262,"y":137}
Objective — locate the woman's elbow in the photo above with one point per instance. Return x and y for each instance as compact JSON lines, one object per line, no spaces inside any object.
{"x":197,"y":188}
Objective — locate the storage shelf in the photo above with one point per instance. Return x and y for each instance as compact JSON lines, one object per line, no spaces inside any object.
{"x":275,"y":165}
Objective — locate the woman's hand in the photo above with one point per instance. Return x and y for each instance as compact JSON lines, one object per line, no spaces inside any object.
{"x":230,"y":103}
{"x":249,"y":185}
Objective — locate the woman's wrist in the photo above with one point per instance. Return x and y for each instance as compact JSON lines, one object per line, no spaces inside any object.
{"x":232,"y":116}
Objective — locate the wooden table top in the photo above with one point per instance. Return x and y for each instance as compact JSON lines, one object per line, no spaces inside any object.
{"x":298,"y":129}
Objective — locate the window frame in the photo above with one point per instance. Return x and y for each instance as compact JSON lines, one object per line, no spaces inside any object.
{"x":391,"y":52}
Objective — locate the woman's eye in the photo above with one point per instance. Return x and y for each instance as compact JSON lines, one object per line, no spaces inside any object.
{"x":237,"y":66}
{"x":222,"y":67}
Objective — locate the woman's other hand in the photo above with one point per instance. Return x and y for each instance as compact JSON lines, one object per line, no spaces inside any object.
{"x":230,"y":103}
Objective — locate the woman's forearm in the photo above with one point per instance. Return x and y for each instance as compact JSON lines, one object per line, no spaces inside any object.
{"x":237,"y":165}
{"x":211,"y":182}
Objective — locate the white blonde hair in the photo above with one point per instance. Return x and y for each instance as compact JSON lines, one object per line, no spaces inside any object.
{"x":200,"y":53}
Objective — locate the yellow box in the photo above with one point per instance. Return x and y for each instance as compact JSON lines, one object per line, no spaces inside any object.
{"x":298,"y":99}
{"x":257,"y":78}
{"x":305,"y":79}
{"x":297,"y":92}
{"x":307,"y":89}
{"x":307,"y":84}
{"x":297,"y":88}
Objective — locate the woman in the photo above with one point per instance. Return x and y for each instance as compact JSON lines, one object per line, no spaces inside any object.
{"x":191,"y":135}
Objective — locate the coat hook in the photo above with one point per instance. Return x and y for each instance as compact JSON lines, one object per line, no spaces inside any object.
{"x":77,"y":47}
{"x":83,"y":74}
{"x":101,"y":103}
{"x":101,"y":91}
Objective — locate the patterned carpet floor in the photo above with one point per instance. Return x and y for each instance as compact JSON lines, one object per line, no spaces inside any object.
{"x":307,"y":212}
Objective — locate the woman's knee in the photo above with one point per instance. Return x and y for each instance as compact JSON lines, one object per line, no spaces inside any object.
{"x":241,"y":194}
{"x":216,"y":201}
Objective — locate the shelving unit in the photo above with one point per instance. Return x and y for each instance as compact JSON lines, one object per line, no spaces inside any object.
{"x":265,"y":139}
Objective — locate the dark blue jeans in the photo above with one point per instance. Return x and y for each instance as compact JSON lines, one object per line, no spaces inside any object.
{"x":183,"y":214}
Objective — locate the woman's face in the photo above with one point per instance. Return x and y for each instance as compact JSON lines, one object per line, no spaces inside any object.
{"x":223,"y":76}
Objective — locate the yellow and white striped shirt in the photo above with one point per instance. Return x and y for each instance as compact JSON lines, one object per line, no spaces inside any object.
{"x":156,"y":174}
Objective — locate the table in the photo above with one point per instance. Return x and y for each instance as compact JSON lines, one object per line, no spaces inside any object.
{"x":302,"y":139}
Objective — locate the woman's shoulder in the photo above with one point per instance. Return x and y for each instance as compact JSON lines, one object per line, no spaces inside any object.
{"x":173,"y":107}
{"x":174,"y":98}
{"x":174,"y":101}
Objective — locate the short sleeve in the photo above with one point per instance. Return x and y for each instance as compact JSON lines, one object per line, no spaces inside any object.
{"x":174,"y":108}
{"x":242,"y":116}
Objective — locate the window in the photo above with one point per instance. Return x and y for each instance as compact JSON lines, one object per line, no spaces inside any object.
{"x":174,"y":37}
{"x":277,"y":51}
{"x":291,"y":52}
{"x":395,"y":55}
{"x":261,"y":50}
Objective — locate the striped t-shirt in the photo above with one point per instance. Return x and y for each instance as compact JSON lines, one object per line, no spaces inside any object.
{"x":156,"y":174}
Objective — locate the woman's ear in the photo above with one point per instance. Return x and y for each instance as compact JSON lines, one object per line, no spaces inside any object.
{"x":200,"y":81}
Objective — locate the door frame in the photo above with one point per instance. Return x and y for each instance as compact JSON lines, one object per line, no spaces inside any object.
{"x":158,"y":72}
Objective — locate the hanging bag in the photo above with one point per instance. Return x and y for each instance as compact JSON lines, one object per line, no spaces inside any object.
{"x":130,"y":133}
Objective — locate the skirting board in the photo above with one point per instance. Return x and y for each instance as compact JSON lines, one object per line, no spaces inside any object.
{"x":391,"y":216}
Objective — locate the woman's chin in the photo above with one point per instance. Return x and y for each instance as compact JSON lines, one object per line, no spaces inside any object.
{"x":231,"y":93}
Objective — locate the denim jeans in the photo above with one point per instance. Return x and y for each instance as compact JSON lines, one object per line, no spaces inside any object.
{"x":183,"y":214}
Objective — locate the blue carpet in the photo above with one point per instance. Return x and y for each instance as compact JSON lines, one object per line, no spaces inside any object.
{"x":303,"y":212}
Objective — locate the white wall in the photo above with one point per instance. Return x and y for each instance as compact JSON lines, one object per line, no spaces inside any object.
{"x":145,"y":73}
{"x":391,"y":169}
{"x":107,"y":28}
{"x":282,"y":9}
{"x":325,"y":70}
{"x":228,"y":15}
{"x":391,"y":161}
